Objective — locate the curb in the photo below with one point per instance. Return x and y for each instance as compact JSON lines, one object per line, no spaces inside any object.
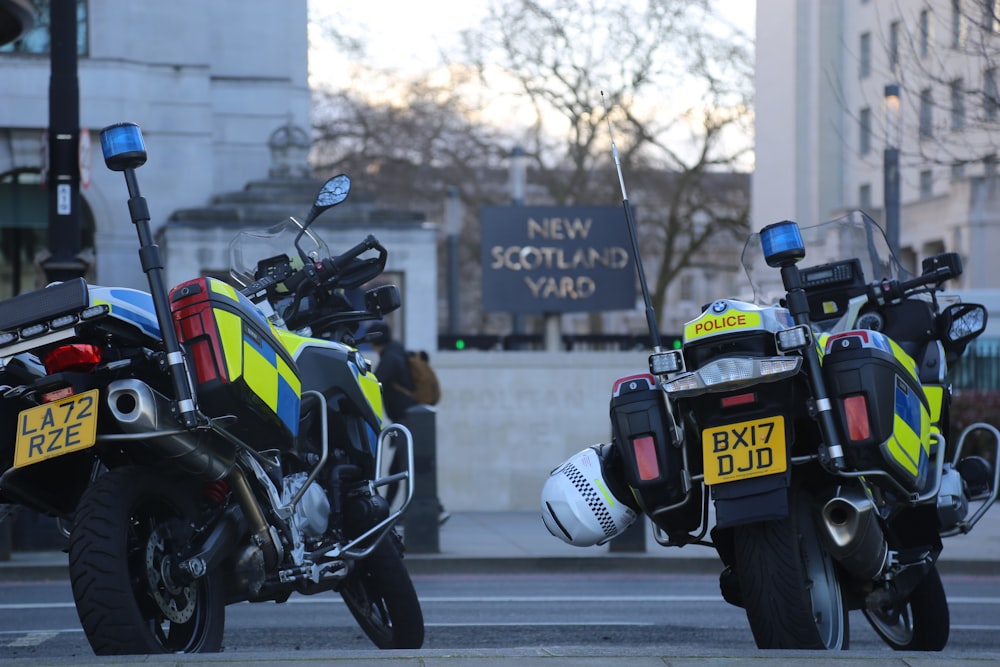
{"x":52,"y":566}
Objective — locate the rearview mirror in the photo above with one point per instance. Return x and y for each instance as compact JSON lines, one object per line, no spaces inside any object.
{"x":965,"y":321}
{"x":332,"y":193}
{"x":383,"y":299}
{"x":958,"y":324}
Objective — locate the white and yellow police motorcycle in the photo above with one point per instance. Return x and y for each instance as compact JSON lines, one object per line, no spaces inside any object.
{"x":815,"y":419}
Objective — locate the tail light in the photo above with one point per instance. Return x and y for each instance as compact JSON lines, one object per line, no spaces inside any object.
{"x":856,"y":411}
{"x":76,"y":357}
{"x":645,"y":457}
{"x":739,"y":399}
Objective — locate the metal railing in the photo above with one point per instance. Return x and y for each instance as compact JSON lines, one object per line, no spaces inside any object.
{"x":979,"y":367}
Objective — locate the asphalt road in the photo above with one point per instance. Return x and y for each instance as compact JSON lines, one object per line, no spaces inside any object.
{"x":486,"y":619}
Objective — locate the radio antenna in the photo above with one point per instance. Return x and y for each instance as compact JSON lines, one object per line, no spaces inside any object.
{"x":654,"y":330}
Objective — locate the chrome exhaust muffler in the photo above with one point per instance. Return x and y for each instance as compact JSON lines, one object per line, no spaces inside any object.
{"x":144,"y":414}
{"x":853,"y":536}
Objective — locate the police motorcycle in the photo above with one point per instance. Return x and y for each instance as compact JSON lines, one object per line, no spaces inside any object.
{"x":209,"y":445}
{"x":806,"y":436}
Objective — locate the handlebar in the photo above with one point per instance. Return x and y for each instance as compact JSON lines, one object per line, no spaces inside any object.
{"x":332,"y":266}
{"x":320,"y":271}
{"x":891,"y":290}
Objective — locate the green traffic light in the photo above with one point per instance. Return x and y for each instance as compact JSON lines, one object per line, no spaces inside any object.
{"x":677,"y":343}
{"x":459,"y":344}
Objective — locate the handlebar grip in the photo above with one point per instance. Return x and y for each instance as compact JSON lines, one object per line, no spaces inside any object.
{"x":331,"y":266}
{"x":890,"y":290}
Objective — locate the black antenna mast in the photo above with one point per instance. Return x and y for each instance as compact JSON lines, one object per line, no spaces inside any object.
{"x":654,"y":330}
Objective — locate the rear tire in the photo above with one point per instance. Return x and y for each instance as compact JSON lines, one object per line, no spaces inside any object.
{"x":788,"y":583}
{"x":381,"y":597}
{"x":922,"y":623}
{"x":126,"y":523}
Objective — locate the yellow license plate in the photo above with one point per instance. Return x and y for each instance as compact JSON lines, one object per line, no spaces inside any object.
{"x":56,"y":428}
{"x":744,"y":450}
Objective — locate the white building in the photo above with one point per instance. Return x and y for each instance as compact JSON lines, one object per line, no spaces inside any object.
{"x":208,"y":83}
{"x":822,"y":122}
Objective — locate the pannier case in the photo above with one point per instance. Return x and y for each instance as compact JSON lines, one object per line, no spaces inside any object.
{"x":240,"y":367}
{"x":880,"y":405}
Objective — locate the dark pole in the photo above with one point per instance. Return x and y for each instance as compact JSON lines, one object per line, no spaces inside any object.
{"x":453,"y":225}
{"x":64,"y":146}
{"x":518,"y":183}
{"x":891,"y":168}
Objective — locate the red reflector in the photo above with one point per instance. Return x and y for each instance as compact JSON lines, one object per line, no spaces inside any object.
{"x":77,"y":357}
{"x":645,"y":457}
{"x":57,"y":394}
{"x":204,"y":361}
{"x":856,"y":409}
{"x":742,"y":399}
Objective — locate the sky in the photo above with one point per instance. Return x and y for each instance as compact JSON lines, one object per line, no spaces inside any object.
{"x":409,"y":35}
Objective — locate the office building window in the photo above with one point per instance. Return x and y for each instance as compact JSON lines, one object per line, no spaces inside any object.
{"x":865,"y":131}
{"x":926,"y":128}
{"x":926,"y":183}
{"x":865,"y":55}
{"x":991,"y":95}
{"x":925,"y":33}
{"x":893,"y":45}
{"x":991,"y":16}
{"x":957,"y":104}
{"x":957,"y":24}
{"x":38,"y":39}
{"x":865,"y":195}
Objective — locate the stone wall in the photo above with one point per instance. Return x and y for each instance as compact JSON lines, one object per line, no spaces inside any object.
{"x":506,"y":419}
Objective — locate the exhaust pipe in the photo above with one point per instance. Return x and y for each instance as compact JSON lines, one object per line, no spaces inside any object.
{"x":139,"y":409}
{"x":853,"y":536}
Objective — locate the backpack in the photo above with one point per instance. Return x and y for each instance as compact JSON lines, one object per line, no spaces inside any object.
{"x":426,"y":389}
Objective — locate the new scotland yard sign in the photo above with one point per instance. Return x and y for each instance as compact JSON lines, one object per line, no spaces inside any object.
{"x":545,"y":259}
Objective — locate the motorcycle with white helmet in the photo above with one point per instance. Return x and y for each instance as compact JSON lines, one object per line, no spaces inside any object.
{"x":817,"y":419}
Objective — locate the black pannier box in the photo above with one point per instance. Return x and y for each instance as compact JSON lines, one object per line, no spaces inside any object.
{"x":879,"y":405}
{"x":641,"y":428}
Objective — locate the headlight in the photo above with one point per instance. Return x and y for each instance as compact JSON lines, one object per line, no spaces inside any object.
{"x":661,"y":363}
{"x":732,"y":373}
{"x":796,"y":338}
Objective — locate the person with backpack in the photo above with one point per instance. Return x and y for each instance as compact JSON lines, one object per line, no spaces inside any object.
{"x":398,"y":387}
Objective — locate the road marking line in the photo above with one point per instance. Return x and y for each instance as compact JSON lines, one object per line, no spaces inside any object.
{"x":33,"y":638}
{"x":37,"y":605}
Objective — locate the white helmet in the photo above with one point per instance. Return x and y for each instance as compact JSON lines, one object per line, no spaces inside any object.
{"x":578,"y":504}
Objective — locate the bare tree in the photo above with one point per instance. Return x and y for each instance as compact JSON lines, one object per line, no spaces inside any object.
{"x":945,"y":57}
{"x":675,"y":83}
{"x":536,"y":79}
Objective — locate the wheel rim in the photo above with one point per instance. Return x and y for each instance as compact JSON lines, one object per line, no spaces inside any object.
{"x":368,"y":611}
{"x":894,"y":623}
{"x":175,"y":615}
{"x":821,"y":581}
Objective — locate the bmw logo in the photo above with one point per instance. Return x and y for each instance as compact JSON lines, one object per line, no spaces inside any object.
{"x":720,"y":306}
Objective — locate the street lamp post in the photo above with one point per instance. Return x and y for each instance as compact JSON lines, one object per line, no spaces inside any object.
{"x":453,"y":214}
{"x":518,"y":184}
{"x":891,"y":166}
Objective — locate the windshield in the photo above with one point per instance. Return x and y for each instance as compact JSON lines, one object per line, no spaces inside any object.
{"x":251,"y":246}
{"x":855,"y":235}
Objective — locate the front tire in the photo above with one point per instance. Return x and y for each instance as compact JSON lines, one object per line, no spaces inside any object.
{"x":921,"y":623}
{"x":788,"y":583}
{"x":382,"y":599}
{"x":127,"y":522}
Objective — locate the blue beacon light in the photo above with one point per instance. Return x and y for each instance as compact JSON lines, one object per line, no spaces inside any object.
{"x":782,"y":243}
{"x":123,"y":147}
